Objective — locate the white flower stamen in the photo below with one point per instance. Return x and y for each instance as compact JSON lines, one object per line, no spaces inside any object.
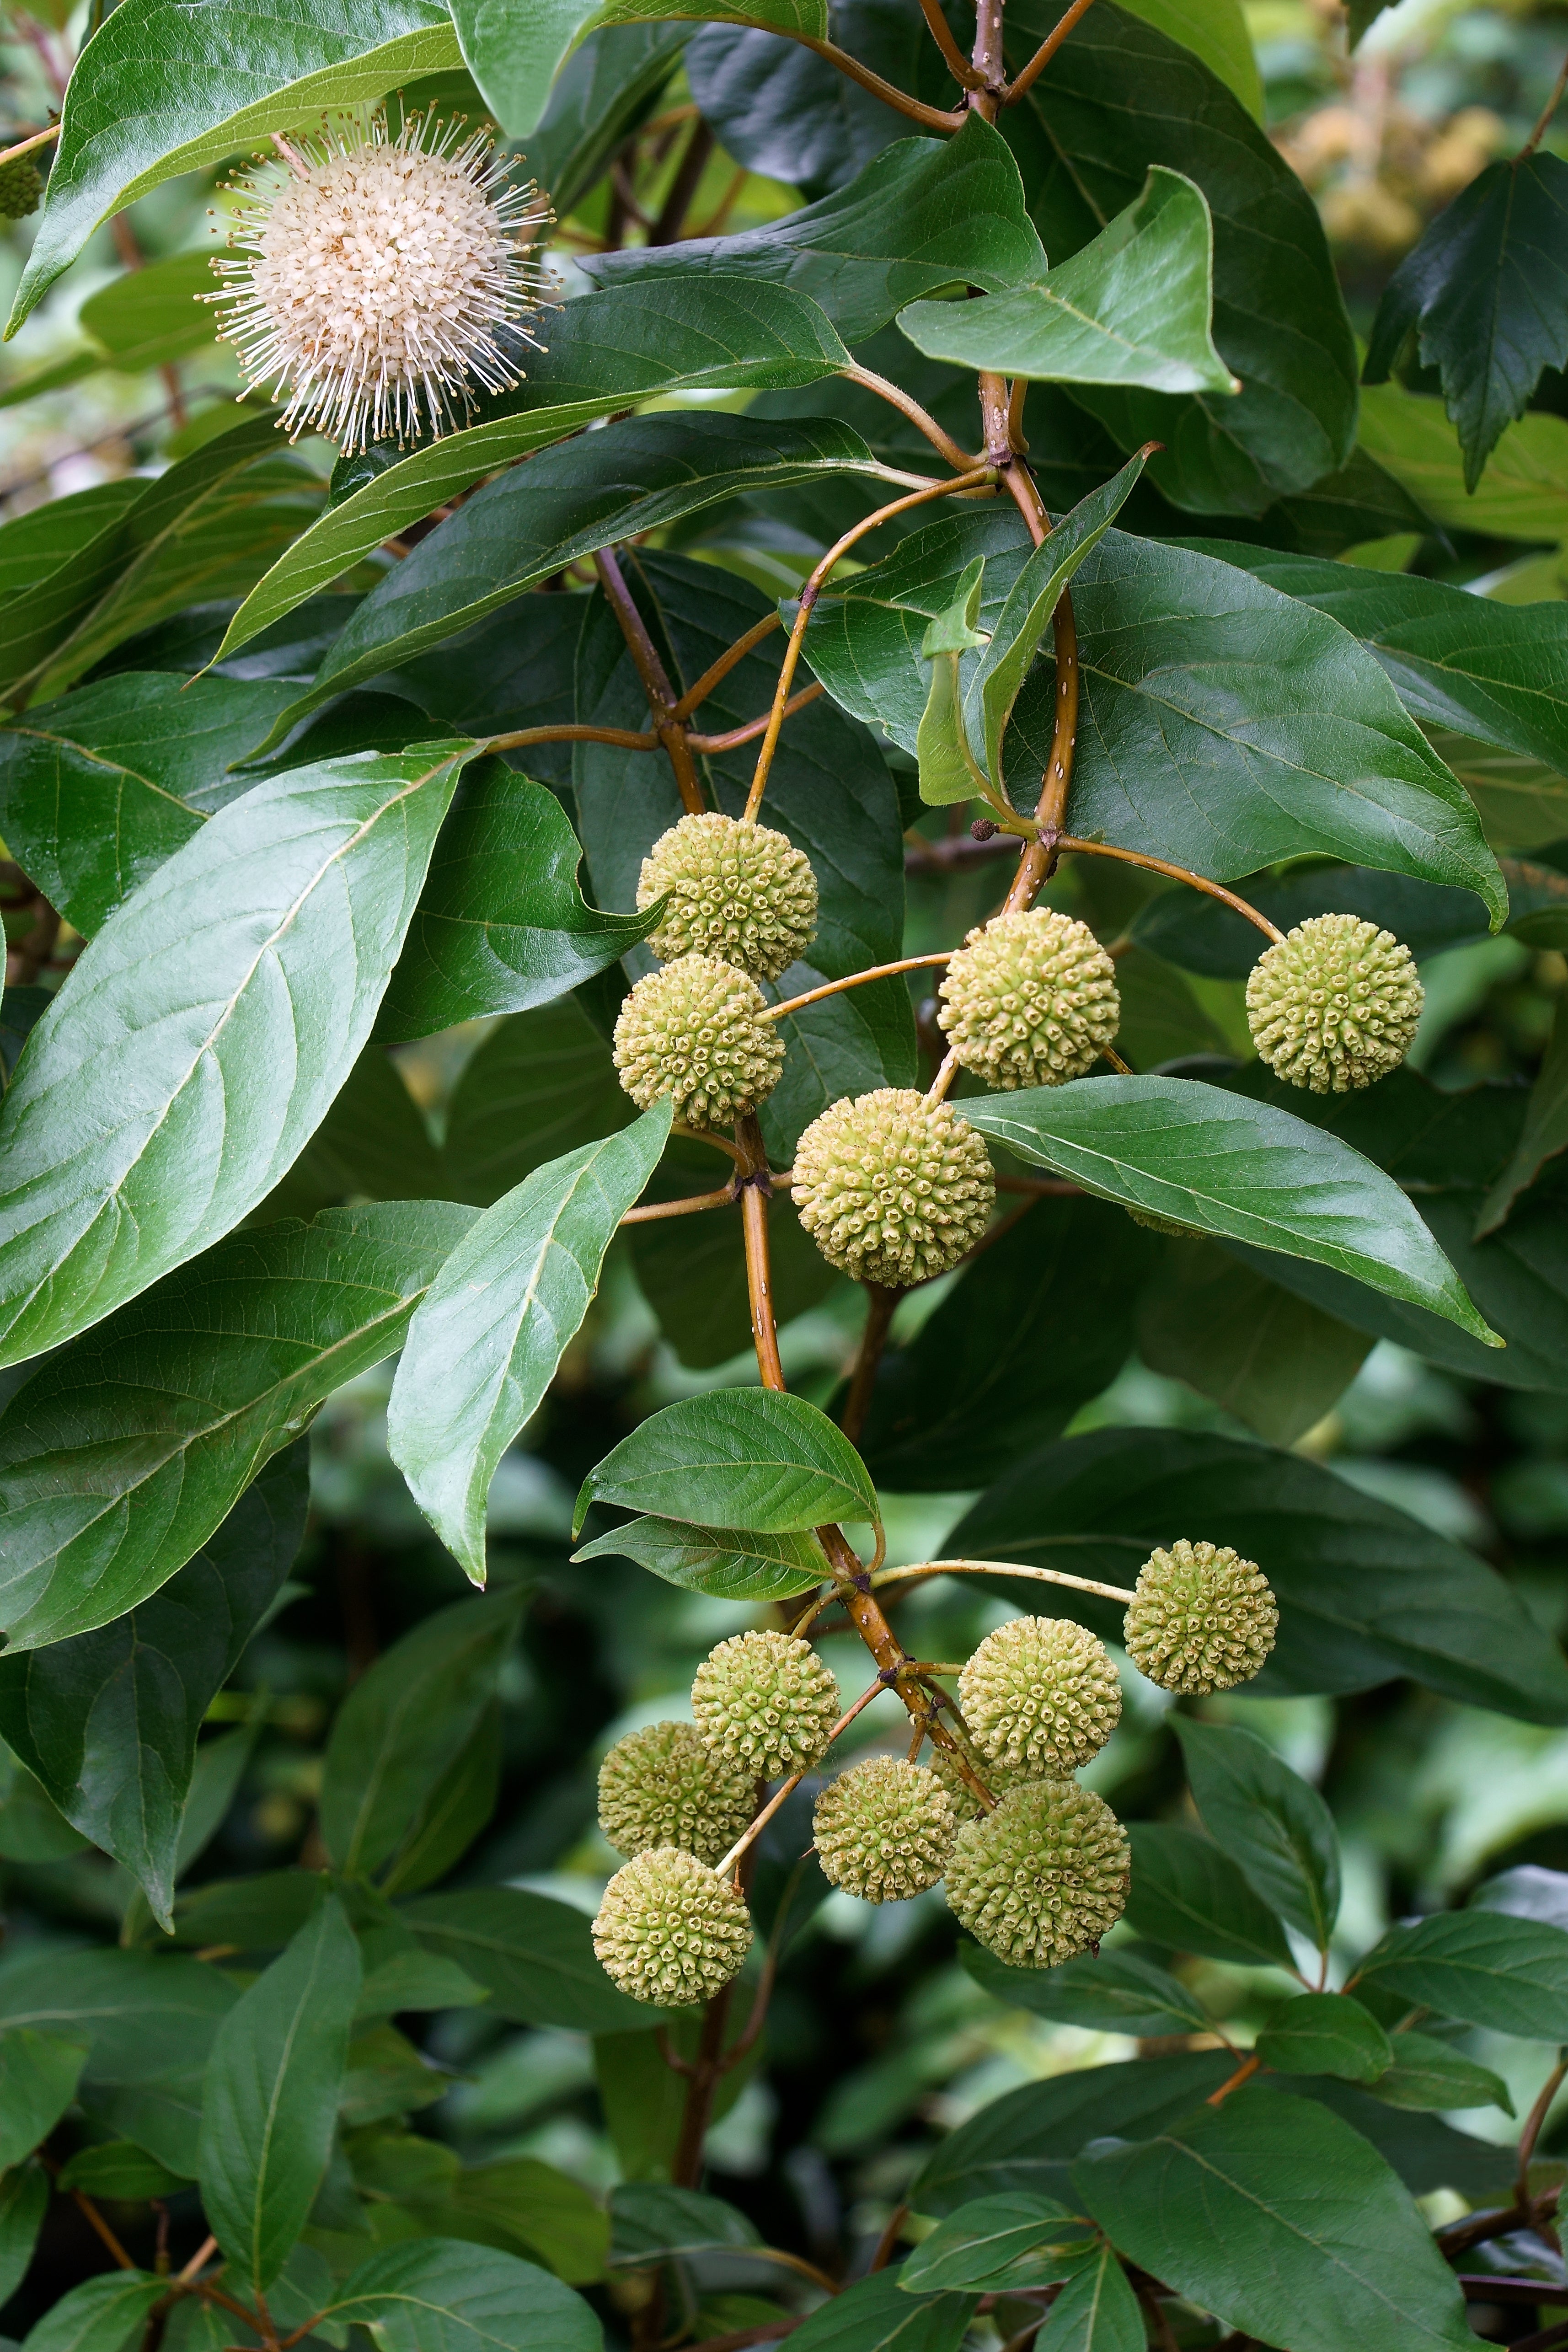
{"x":384,"y":278}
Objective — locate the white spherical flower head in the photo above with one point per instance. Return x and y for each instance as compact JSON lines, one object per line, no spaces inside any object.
{"x":384,"y":278}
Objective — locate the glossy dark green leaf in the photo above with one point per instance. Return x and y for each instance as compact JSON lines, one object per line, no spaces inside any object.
{"x":569,"y":500}
{"x":152,"y":315}
{"x":534,"y":1956}
{"x":485,"y":1343}
{"x":404,"y":1723}
{"x":1028,"y":2138}
{"x":524,"y":2206}
{"x":1484,"y":295}
{"x":373,"y":1144}
{"x":922,"y":215}
{"x":119,"y":1459}
{"x":39,"y":2074}
{"x":606,"y":353}
{"x":610,"y":83}
{"x":1118,"y":97}
{"x":1427,"y":2073}
{"x":1173,"y":1147}
{"x":1275,"y":1362}
{"x":692,"y":1270}
{"x":1116,"y":1991}
{"x":874,"y":2314}
{"x":1280,"y":2219}
{"x":171,"y":91}
{"x":102,"y":2314}
{"x":1134,"y":307}
{"x":1039,"y":1324}
{"x":55,"y":564}
{"x":1326,"y":2033}
{"x":1543,"y":1136}
{"x":439,"y":2294}
{"x":109,"y":1721}
{"x":542,"y":1084}
{"x":1095,"y":2312}
{"x":650,"y":2221}
{"x":784,"y":112}
{"x":32,"y":1827}
{"x":298,"y":895}
{"x":1274,"y":1823}
{"x":24,"y":2201}
{"x":118,"y":2168}
{"x":726,"y":1563}
{"x":1488,"y":1967}
{"x":1366,"y":1593}
{"x":272,"y":2087}
{"x":1188,"y":1894}
{"x":998,"y":2246}
{"x":96,"y":790}
{"x":751,"y":1458}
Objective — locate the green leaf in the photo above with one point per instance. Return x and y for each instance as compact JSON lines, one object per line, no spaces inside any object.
{"x":1027,"y":2140}
{"x":453,"y":1810}
{"x":1187,"y":1893}
{"x":1276,"y":1361}
{"x":99,"y":2316}
{"x":749,"y":1458}
{"x":788,"y":113}
{"x":1427,"y":2072}
{"x":609,"y":85}
{"x":950,"y":771}
{"x":272,"y":2087}
{"x":1216,"y":31}
{"x":1543,"y":1135}
{"x":96,"y":790}
{"x":24,"y":2201}
{"x":1118,"y":97}
{"x":404,"y":1723}
{"x":1115,"y":1992}
{"x":1134,"y":307}
{"x":152,"y":315}
{"x":439,"y":2294}
{"x":1095,"y":2312}
{"x":484,"y":1346}
{"x":1280,"y":2219}
{"x":39,"y":2074}
{"x":1198,"y":933}
{"x":299,"y":895}
{"x":650,"y":2222}
{"x":692,"y":1270}
{"x":118,"y":1460}
{"x":606,"y":351}
{"x":372,"y":1145}
{"x":1188,"y":667}
{"x":55,"y":565}
{"x":515,"y":52}
{"x":1524,"y":491}
{"x":1485,"y":296}
{"x":923,"y":215}
{"x":541,"y":1085}
{"x":524,"y":2206}
{"x":726,"y":1563}
{"x":874,"y":2314}
{"x":118,"y":2168}
{"x":109,"y":1721}
{"x":1486,"y":1966}
{"x":1326,"y":2033}
{"x":615,"y":484}
{"x":171,"y":91}
{"x":32,"y":1827}
{"x":1275,"y":1823}
{"x":998,"y":2246}
{"x":1174,"y":1147}
{"x":1366,"y":1593}
{"x":534,"y":1957}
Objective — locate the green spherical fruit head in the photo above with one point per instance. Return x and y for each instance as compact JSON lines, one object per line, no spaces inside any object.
{"x":21,"y":188}
{"x":1335,"y":1005}
{"x":764,"y":1703}
{"x":1029,"y":1000}
{"x":669,"y":1932}
{"x":1202,"y":1618}
{"x":885,"y":1829}
{"x":1043,"y":1877}
{"x":740,"y":892}
{"x":892,"y":1189}
{"x":663,"y":1786}
{"x":694,"y":1033}
{"x":1041,"y":1695}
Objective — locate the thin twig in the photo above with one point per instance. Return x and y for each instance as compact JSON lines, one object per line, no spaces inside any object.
{"x":890,"y":2238}
{"x":946,"y":1077}
{"x":1248,"y":2068}
{"x":941,"y":440}
{"x":854,"y":980}
{"x":749,"y":1835}
{"x":711,"y":677}
{"x":625,"y":739}
{"x":1533,"y":2123}
{"x":754,"y":727}
{"x":204,"y":2254}
{"x":25,"y":146}
{"x":651,"y":1210}
{"x":881,"y":1304}
{"x":930,"y":118}
{"x":1067,"y":841}
{"x":1008,"y":1568}
{"x":1536,"y":136}
{"x":1046,"y":51}
{"x":655,"y":681}
{"x":755,"y":1185}
{"x":962,"y":72}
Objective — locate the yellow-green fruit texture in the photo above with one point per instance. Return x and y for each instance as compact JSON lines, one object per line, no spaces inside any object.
{"x":669,"y":1932}
{"x":999,"y":1779}
{"x":21,"y":188}
{"x":892,"y":1189}
{"x":663,"y":1786}
{"x":884,"y":1830}
{"x":1041,"y":1693}
{"x":1334,"y":1004}
{"x":741,"y":892}
{"x":1155,"y":1225}
{"x":692,"y":1032}
{"x":1029,"y":1000}
{"x":1043,"y":1877}
{"x":1202,"y":1619}
{"x":764,"y":1703}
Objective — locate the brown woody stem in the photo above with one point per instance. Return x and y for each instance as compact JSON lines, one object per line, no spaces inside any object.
{"x":1067,"y":841}
{"x":626,"y":738}
{"x":855,"y":980}
{"x":655,"y":681}
{"x":25,"y":146}
{"x":754,"y":727}
{"x":1530,"y":144}
{"x":755,"y":1828}
{"x":698,"y":694}
{"x":930,"y":118}
{"x":651,"y":1210}
{"x":896,"y":397}
{"x":1046,"y":51}
{"x":881,"y":1306}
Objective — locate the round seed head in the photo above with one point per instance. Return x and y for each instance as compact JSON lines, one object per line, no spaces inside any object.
{"x":383,"y":280}
{"x":661,"y":1786}
{"x":21,"y":188}
{"x":892,"y":1188}
{"x":1043,"y":1877}
{"x":884,"y":1830}
{"x":738,"y":891}
{"x":1334,"y":1004}
{"x":1029,"y":1000}
{"x":764,"y":1703}
{"x":669,"y":1932}
{"x":1041,"y":1693}
{"x":1202,"y":1618}
{"x":692,"y":1032}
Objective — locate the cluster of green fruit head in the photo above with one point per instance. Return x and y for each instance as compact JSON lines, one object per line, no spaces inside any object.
{"x":1037,"y":1875}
